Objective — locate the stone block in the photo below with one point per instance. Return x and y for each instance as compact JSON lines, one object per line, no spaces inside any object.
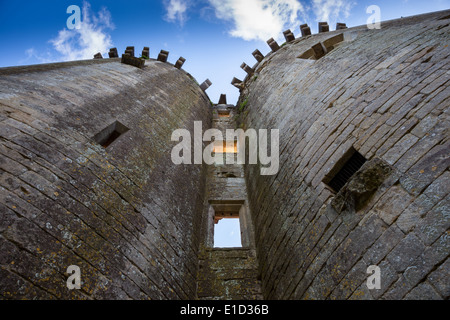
{"x":305,"y":30}
{"x":383,"y":245}
{"x":288,"y":35}
{"x":273,"y":45}
{"x":319,"y":50}
{"x":440,"y":279}
{"x":205,"y":85}
{"x":435,"y":223}
{"x":340,"y":26}
{"x":423,"y":291}
{"x":146,"y":52}
{"x":163,"y":55}
{"x":130,"y":50}
{"x":360,"y":188}
{"x":180,"y":62}
{"x":426,"y":170}
{"x":133,"y":61}
{"x":323,"y":27}
{"x":403,"y":255}
{"x":258,"y":55}
{"x":236,"y":82}
{"x":113,"y":53}
{"x":247,"y":69}
{"x":98,"y":56}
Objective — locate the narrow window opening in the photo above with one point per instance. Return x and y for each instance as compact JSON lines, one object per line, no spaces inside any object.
{"x":228,"y":224}
{"x":222,"y":147}
{"x":110,"y":134}
{"x":345,"y":169}
{"x":224,"y":113}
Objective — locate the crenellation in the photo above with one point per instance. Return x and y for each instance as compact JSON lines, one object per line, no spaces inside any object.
{"x":258,"y":55}
{"x":130,"y":50}
{"x":146,"y":52}
{"x":163,"y":55}
{"x":273,"y":45}
{"x":305,"y":30}
{"x":323,"y":27}
{"x":288,"y":35}
{"x":180,"y":62}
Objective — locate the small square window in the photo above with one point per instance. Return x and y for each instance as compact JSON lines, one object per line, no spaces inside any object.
{"x":344,"y":169}
{"x":110,"y":134}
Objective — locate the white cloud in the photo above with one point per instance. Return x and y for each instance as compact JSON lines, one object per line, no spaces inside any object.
{"x":90,"y":38}
{"x":176,"y":10}
{"x":258,"y":19}
{"x":264,"y":19}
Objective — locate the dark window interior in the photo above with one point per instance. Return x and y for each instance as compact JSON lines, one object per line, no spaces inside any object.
{"x":110,"y":134}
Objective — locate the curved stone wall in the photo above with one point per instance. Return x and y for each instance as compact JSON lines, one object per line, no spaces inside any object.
{"x":385,"y":94}
{"x":124,"y":214}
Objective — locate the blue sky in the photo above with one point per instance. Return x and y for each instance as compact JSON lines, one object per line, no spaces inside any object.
{"x":215,"y":36}
{"x":227,"y":234}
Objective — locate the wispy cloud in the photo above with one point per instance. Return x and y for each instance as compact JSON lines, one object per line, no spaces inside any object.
{"x":258,"y":19}
{"x":176,"y":11}
{"x":330,"y":10}
{"x":90,"y":38}
{"x":33,"y":55}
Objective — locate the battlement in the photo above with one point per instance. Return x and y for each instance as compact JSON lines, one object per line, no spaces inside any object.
{"x":327,"y":38}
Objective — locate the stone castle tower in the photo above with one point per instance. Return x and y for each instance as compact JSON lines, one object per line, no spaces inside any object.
{"x":87,"y":178}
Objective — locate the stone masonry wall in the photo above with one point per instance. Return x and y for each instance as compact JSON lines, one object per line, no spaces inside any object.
{"x":124,"y":214}
{"x":386,"y":94}
{"x":227,"y":273}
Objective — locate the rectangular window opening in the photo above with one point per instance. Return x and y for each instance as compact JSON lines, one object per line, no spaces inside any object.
{"x":110,"y":134}
{"x":221,"y":147}
{"x":224,"y":113}
{"x":227,"y":232}
{"x":227,"y":224}
{"x":344,"y":169}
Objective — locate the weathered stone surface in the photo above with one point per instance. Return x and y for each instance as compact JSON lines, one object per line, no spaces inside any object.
{"x":65,"y":200}
{"x":440,"y":279}
{"x":383,"y":98}
{"x":405,"y":252}
{"x":423,"y":291}
{"x":229,"y":274}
